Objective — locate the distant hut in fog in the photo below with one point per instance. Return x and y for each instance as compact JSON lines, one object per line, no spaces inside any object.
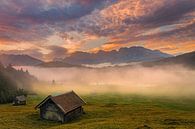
{"x":62,"y":108}
{"x":53,"y":82}
{"x":19,"y":100}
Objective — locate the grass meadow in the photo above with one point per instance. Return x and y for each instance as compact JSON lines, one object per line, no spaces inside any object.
{"x":108,"y":111}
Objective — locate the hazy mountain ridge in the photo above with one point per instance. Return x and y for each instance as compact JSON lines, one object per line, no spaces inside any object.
{"x":57,"y":64}
{"x":19,"y":60}
{"x":123,"y":55}
{"x":127,"y":56}
{"x":187,"y":59}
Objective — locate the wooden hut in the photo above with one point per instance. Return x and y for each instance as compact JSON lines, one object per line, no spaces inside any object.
{"x":62,"y":108}
{"x":19,"y":100}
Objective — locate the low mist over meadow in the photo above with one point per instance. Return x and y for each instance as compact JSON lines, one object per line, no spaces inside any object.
{"x":174,"y":80}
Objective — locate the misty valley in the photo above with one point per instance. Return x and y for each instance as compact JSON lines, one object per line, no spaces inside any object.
{"x":97,"y":64}
{"x":166,"y":81}
{"x":152,"y":94}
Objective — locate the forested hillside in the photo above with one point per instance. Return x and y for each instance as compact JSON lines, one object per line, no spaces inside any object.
{"x":13,"y":82}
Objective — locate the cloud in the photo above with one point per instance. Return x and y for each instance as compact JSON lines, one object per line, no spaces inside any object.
{"x":55,"y":12}
{"x":120,"y":22}
{"x":53,"y":52}
{"x":57,"y":52}
{"x":170,"y":11}
{"x":125,"y":19}
{"x":36,"y":19}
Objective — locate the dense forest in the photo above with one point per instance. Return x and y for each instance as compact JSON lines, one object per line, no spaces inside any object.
{"x":13,"y":82}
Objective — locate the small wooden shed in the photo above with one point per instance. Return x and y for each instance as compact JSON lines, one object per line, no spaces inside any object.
{"x":62,"y":108}
{"x":19,"y":100}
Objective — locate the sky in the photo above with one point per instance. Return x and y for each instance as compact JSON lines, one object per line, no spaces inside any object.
{"x":48,"y":29}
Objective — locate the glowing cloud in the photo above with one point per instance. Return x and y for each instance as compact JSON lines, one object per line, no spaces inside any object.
{"x":92,"y":25}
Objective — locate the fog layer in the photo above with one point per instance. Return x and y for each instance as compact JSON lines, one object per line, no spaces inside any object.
{"x":166,"y":81}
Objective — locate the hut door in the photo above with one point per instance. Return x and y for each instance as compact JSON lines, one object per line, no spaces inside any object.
{"x":51,"y":115}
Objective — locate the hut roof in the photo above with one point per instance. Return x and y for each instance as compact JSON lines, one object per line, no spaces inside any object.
{"x":66,"y":102}
{"x":21,"y":98}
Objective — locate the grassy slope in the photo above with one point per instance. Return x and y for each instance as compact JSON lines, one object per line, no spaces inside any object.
{"x":108,"y":112}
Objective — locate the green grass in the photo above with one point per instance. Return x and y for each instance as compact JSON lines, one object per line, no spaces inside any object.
{"x":109,"y":111}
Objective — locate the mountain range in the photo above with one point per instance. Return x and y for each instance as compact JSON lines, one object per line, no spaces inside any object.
{"x":56,"y":64}
{"x":19,"y":60}
{"x":187,"y":59}
{"x":123,"y":55}
{"x":142,"y":55}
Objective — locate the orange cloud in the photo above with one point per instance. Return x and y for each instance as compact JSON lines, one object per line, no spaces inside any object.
{"x":167,"y":25}
{"x":111,"y":46}
{"x":107,"y":47}
{"x":171,"y":47}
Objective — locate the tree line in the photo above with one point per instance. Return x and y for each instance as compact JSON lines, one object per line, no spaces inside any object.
{"x":13,"y":82}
